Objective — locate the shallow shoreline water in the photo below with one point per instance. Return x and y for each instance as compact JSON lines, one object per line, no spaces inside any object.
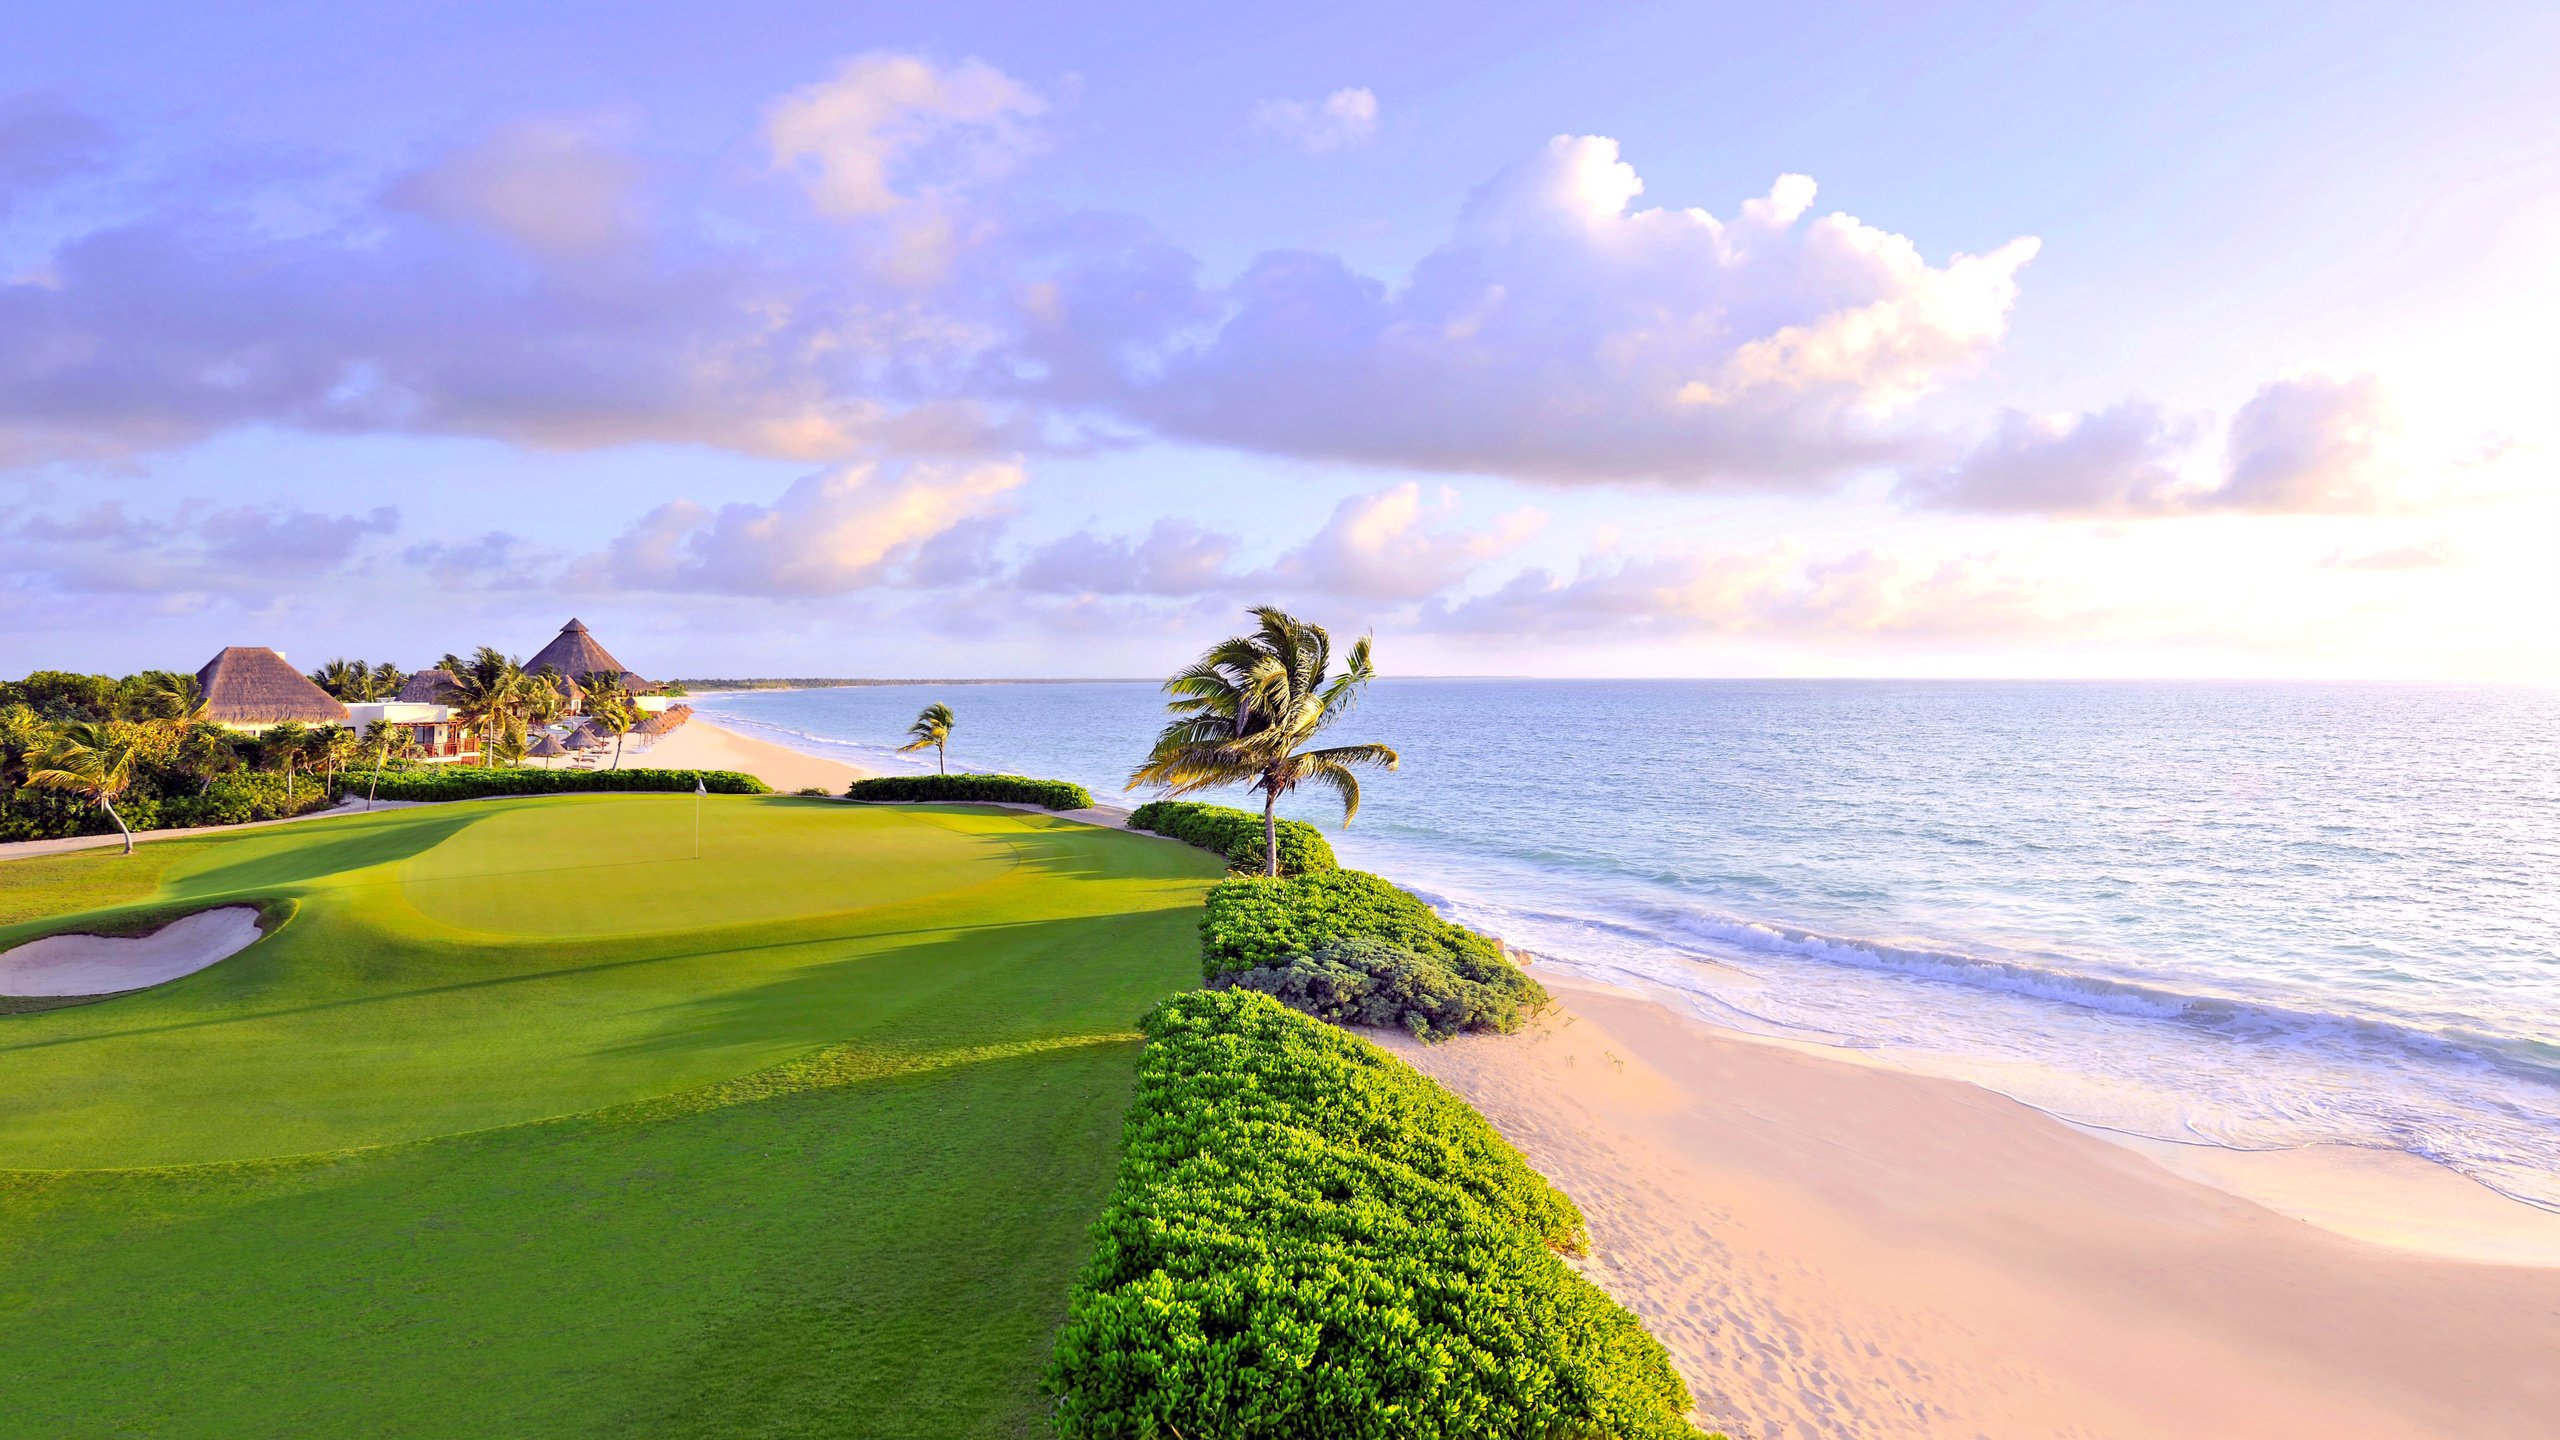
{"x":2153,"y":949}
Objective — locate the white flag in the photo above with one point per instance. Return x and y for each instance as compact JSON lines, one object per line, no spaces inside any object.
{"x":697,"y":786}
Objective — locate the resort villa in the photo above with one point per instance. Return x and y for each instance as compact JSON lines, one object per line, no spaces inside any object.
{"x":249,"y":688}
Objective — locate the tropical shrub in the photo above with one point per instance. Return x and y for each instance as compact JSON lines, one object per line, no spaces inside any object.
{"x":160,"y":801}
{"x":1256,"y":926}
{"x":1367,"y":982}
{"x":1007,"y":789}
{"x":471,"y":782}
{"x":1308,"y":1237}
{"x":1236,"y":834}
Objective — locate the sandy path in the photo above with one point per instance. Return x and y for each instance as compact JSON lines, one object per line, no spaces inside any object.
{"x":106,"y":964}
{"x":700,"y":745}
{"x":1837,"y":1250}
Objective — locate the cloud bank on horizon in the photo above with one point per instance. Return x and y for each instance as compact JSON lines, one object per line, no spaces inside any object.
{"x":867,"y":285}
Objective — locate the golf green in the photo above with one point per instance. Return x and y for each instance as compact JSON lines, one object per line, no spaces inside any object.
{"x":529,"y":1122}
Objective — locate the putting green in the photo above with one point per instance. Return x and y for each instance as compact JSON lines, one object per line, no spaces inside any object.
{"x":528,"y":1122}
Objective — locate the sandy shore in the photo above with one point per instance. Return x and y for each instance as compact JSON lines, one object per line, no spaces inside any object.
{"x":1837,"y":1249}
{"x":700,"y":745}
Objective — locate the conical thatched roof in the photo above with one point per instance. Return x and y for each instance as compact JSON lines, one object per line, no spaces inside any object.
{"x":431,"y":687}
{"x":252,"y":685}
{"x":546,"y":748}
{"x":588,"y":736}
{"x":576,"y":655}
{"x":662,"y":722}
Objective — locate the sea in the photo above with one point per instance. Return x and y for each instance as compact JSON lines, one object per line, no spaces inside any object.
{"x":2256,"y":916}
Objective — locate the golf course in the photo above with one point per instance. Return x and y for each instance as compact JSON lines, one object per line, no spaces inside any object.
{"x":542,"y":1116}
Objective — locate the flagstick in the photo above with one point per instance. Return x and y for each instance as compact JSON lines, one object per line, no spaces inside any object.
{"x":697,"y":819}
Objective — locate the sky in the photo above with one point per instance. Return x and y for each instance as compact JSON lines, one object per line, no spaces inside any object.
{"x":972,"y":340}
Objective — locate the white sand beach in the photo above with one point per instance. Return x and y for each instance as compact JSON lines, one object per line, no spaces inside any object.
{"x":106,"y":964}
{"x":1835,"y":1249}
{"x":700,"y":745}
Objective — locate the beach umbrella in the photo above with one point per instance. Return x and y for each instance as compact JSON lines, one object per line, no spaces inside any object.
{"x":546,"y":750}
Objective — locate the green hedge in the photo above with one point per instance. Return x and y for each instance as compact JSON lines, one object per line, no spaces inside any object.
{"x":1307,"y":1237}
{"x":1348,"y":945}
{"x":1236,"y":834}
{"x":471,"y":782}
{"x":1010,"y":789}
{"x":161,"y":802}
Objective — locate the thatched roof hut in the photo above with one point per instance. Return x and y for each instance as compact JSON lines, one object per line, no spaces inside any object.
{"x":575,"y":655}
{"x":251,"y":686}
{"x":546,"y":748}
{"x":431,"y":687}
{"x":588,"y":736}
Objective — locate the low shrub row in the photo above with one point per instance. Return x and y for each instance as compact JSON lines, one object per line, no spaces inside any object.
{"x":1236,"y":834}
{"x":1009,"y":789}
{"x":1349,"y":946}
{"x":229,"y":800}
{"x":1308,"y":1237}
{"x":472,"y":782}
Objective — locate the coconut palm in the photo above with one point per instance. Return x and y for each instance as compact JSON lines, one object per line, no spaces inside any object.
{"x":207,"y":753}
{"x":933,"y":727}
{"x":615,"y":719}
{"x":387,"y":680}
{"x":492,"y":686}
{"x":282,"y":743}
{"x":346,"y":679}
{"x":93,"y":761}
{"x":177,"y":699}
{"x":1246,"y":711}
{"x":387,"y":741}
{"x":331,"y":749}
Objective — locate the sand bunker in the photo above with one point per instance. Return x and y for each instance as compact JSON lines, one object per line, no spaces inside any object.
{"x":105,"y":964}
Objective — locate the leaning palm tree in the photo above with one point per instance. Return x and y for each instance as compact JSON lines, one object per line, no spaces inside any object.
{"x":387,"y":740}
{"x":177,"y":699}
{"x":93,"y":761}
{"x":933,"y":727}
{"x":207,"y":753}
{"x":332,"y":748}
{"x":1246,"y":711}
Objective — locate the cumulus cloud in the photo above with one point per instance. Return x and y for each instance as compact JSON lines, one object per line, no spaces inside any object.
{"x":1562,"y":335}
{"x":1398,"y":544}
{"x":830,"y":533}
{"x":1174,"y":557}
{"x":2121,"y":461}
{"x":2305,"y":445}
{"x":2308,"y":445}
{"x":1775,"y":591}
{"x":556,"y":187}
{"x":856,"y":138}
{"x":495,"y":560}
{"x":1345,"y":117}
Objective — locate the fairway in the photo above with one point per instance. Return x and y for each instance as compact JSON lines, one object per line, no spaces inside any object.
{"x":528,"y":1122}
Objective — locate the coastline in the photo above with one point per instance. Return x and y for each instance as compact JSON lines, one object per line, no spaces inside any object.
{"x":698,"y":744}
{"x":1841,"y":1249}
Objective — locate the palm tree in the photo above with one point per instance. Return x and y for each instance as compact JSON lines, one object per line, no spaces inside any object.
{"x":492,"y":688}
{"x":331,"y":748}
{"x":933,"y":727}
{"x":387,"y":680}
{"x":1245,"y":711}
{"x":386,"y":740}
{"x":92,"y":760}
{"x":207,"y":752}
{"x":346,"y":679}
{"x":176,"y":698}
{"x":283,"y":741}
{"x":615,"y":719}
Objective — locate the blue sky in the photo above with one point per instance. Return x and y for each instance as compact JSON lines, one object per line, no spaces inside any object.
{"x":1991,"y":340}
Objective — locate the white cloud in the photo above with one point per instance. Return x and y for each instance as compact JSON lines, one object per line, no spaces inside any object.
{"x":1174,"y":557}
{"x":831,"y":532}
{"x":1396,"y":544}
{"x":855,"y":137}
{"x":2305,"y":445}
{"x":2425,"y":555}
{"x":1345,"y":117}
{"x":2309,"y":445}
{"x":1558,"y":335}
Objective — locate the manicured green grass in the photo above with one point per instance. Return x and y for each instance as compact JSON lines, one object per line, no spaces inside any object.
{"x":528,"y":1123}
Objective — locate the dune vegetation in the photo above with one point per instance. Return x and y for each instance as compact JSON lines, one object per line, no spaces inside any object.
{"x":526,"y":1122}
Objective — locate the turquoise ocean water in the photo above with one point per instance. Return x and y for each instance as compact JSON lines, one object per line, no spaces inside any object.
{"x":2247,"y":915}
